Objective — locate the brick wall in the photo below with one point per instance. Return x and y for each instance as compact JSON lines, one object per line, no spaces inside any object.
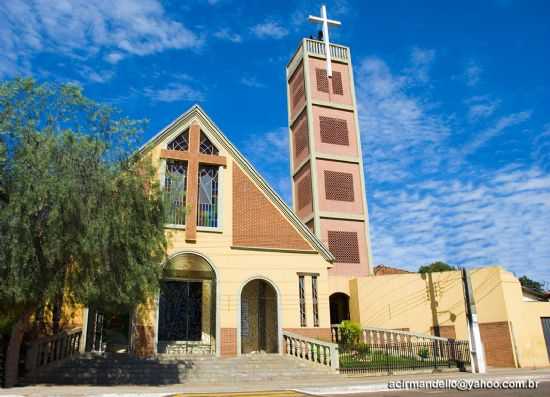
{"x":497,"y":341}
{"x":228,"y":345}
{"x":445,"y":331}
{"x":257,"y":222}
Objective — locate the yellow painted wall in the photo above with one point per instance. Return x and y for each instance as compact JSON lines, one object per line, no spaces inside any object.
{"x":235,"y":266}
{"x":403,"y":301}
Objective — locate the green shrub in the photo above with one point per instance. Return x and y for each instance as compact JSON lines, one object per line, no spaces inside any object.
{"x":350,"y":332}
{"x":423,"y":352}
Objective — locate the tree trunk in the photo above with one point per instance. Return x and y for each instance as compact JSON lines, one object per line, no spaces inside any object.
{"x":14,"y":346}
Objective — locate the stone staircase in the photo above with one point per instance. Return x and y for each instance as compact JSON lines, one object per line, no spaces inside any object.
{"x":111,"y":369}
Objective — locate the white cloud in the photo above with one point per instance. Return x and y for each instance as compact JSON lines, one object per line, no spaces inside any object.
{"x":83,"y":29}
{"x":252,"y":82}
{"x":114,"y":57}
{"x":421,"y":60}
{"x":400,"y":132}
{"x":501,"y":124}
{"x":497,"y":217}
{"x":269,"y":29}
{"x":228,"y":35}
{"x":481,"y":107}
{"x":174,"y":92}
{"x":541,"y":145}
{"x":472,"y":74}
{"x":96,"y":75}
{"x":423,"y":207}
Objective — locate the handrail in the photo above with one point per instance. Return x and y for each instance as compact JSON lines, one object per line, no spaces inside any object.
{"x":316,"y":47}
{"x":49,"y":349}
{"x":385,"y":335}
{"x":313,"y":350}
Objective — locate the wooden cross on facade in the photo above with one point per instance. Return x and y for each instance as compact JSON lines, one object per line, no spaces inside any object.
{"x":194,"y":159}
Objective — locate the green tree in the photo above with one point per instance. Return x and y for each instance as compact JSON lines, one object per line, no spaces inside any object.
{"x":436,"y":267}
{"x":79,"y":216}
{"x":532,"y":284}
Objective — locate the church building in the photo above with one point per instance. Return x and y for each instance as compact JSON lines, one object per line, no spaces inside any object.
{"x":242,"y":266}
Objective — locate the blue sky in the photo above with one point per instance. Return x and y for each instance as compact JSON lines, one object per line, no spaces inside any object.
{"x":453,"y":100}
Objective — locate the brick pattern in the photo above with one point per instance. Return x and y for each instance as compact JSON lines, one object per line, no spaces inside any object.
{"x":344,"y":246}
{"x":382,"y":270}
{"x":445,"y":331}
{"x":334,"y":131}
{"x":315,"y":333}
{"x":144,"y":340}
{"x":297,"y":89}
{"x":300,"y":135}
{"x":304,"y":192}
{"x":339,"y":186}
{"x":257,"y":222}
{"x":322,"y":79}
{"x":337,"y":86}
{"x":497,"y":341}
{"x":228,"y":345}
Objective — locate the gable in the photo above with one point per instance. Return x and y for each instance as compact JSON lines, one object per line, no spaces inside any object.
{"x":255,"y":186}
{"x":257,"y":222}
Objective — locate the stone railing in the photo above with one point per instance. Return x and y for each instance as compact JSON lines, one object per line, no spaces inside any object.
{"x":316,"y":47}
{"x":314,"y":350}
{"x":373,"y":335}
{"x":44,"y":351}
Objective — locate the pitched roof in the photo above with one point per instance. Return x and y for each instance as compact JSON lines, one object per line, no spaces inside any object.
{"x":382,"y":270}
{"x":198,"y":112}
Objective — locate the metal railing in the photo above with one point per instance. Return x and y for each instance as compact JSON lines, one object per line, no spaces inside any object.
{"x":388,"y":358}
{"x":313,"y":350}
{"x":316,"y":47}
{"x":373,"y":335}
{"x":44,"y":351}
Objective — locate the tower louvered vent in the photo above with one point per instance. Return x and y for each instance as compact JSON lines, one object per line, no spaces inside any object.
{"x":344,"y":246}
{"x":339,"y":186}
{"x":334,"y":131}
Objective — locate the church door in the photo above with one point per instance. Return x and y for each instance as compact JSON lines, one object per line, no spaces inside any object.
{"x":259,"y":322}
{"x":180,"y":311}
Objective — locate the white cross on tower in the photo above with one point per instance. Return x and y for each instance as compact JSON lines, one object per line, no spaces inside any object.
{"x":326,"y":22}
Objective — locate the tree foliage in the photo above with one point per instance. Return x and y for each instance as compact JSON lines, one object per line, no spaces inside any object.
{"x":78,"y":213}
{"x":532,"y":284}
{"x":436,"y":267}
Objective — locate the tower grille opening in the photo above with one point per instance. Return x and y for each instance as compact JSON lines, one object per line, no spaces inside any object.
{"x":334,"y":131}
{"x":322,"y":79}
{"x":339,"y":186}
{"x":344,"y":246}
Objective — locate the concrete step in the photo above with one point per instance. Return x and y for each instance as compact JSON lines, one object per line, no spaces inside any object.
{"x":165,"y":369}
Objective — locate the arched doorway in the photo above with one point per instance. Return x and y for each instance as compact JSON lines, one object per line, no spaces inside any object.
{"x":259,"y":318}
{"x":339,"y":307}
{"x":187,"y":306}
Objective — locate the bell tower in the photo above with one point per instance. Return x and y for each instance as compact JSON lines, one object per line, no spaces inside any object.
{"x":328,"y":184}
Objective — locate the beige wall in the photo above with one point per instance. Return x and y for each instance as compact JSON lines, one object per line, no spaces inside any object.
{"x":404,"y":301}
{"x":235,"y":266}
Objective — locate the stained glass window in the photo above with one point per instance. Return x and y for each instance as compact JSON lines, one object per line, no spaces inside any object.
{"x":302,"y":291}
{"x":181,"y":142}
{"x":315,"y":301}
{"x":207,"y":214}
{"x":207,"y":147}
{"x":174,"y":192}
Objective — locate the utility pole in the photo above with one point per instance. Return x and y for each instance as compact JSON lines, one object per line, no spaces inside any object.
{"x":476,"y":347}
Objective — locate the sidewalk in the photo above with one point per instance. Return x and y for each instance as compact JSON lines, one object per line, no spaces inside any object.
{"x":345,"y":385}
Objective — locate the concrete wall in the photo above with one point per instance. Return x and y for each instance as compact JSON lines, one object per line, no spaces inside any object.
{"x":510,"y":328}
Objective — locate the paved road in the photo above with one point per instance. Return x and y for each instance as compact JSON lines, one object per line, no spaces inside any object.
{"x":542,"y":391}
